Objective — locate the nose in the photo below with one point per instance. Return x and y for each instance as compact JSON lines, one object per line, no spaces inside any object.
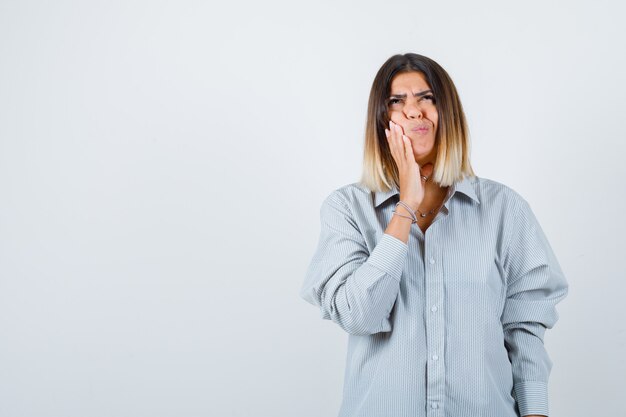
{"x":412,"y":111}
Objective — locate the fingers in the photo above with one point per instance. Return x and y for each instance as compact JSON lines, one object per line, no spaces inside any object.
{"x":392,"y":141}
{"x":412,"y":189}
{"x":397,"y":144}
{"x":408,"y":149}
{"x":393,"y":146}
{"x":410,"y":156}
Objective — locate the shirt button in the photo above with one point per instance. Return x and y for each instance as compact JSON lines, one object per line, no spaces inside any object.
{"x":433,"y":309}
{"x":434,"y":405}
{"x":432,"y":260}
{"x":435,"y":357}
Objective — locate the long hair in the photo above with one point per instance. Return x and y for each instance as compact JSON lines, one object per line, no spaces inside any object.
{"x":380,"y":172}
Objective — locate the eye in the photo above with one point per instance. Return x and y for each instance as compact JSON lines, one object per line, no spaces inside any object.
{"x":429,"y":97}
{"x":393,"y":101}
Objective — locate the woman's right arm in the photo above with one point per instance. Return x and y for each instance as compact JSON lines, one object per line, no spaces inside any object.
{"x":354,"y":288}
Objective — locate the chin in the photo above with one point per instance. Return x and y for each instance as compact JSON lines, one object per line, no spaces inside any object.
{"x":424,"y":155}
{"x":427,"y":141}
{"x":423,"y":161}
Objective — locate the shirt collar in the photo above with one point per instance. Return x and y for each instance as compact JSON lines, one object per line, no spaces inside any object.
{"x":464,"y":186}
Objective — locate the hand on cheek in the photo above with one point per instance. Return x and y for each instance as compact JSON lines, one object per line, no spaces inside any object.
{"x":398,"y":123}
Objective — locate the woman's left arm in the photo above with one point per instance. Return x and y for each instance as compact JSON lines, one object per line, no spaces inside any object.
{"x":535,"y":284}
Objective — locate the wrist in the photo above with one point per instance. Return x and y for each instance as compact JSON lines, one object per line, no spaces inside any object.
{"x":404,"y":210}
{"x":410,"y":204}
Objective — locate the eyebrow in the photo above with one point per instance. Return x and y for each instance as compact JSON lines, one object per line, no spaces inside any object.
{"x":416,"y":94}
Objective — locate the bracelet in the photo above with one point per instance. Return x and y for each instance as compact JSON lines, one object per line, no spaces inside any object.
{"x":406,"y":206}
{"x":406,"y":217}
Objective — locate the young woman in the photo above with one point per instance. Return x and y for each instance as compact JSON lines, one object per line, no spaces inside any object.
{"x":444,"y":281}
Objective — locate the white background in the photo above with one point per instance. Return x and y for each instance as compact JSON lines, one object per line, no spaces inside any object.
{"x":162,"y":166}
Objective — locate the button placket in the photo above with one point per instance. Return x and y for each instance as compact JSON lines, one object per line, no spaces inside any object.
{"x":435,"y":332}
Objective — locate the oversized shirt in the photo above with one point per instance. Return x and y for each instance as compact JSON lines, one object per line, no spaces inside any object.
{"x":449,"y":324}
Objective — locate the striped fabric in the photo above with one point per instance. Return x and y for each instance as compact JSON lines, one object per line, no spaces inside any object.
{"x":450,"y":324}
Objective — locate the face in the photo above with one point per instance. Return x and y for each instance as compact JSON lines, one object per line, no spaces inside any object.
{"x":411,"y":105}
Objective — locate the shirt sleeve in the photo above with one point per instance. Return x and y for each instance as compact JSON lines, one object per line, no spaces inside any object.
{"x":352,"y":287}
{"x":535,"y":284}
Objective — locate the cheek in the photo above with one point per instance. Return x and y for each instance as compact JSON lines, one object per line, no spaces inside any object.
{"x":435,"y":117}
{"x":395,"y":117}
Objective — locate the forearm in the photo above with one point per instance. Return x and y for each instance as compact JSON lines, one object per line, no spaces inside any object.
{"x":354,"y":286}
{"x":360,"y":301}
{"x":361,"y":304}
{"x":530,"y":365}
{"x":535,"y":284}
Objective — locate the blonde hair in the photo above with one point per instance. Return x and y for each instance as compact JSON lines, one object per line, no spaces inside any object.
{"x":380,"y":172}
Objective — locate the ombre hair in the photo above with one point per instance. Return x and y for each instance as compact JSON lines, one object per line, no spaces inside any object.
{"x":380,"y":172}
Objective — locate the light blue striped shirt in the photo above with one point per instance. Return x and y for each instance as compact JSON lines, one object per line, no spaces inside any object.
{"x":450,"y":324}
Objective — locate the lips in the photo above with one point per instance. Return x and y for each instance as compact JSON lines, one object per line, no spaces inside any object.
{"x":421,"y":128}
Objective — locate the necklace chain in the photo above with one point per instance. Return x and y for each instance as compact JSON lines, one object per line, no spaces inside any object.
{"x":426,"y":178}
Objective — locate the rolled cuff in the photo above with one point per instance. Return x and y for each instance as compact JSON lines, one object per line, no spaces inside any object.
{"x":532,"y":398}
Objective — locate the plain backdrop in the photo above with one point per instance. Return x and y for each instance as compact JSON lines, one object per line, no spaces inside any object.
{"x":162,"y":167}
